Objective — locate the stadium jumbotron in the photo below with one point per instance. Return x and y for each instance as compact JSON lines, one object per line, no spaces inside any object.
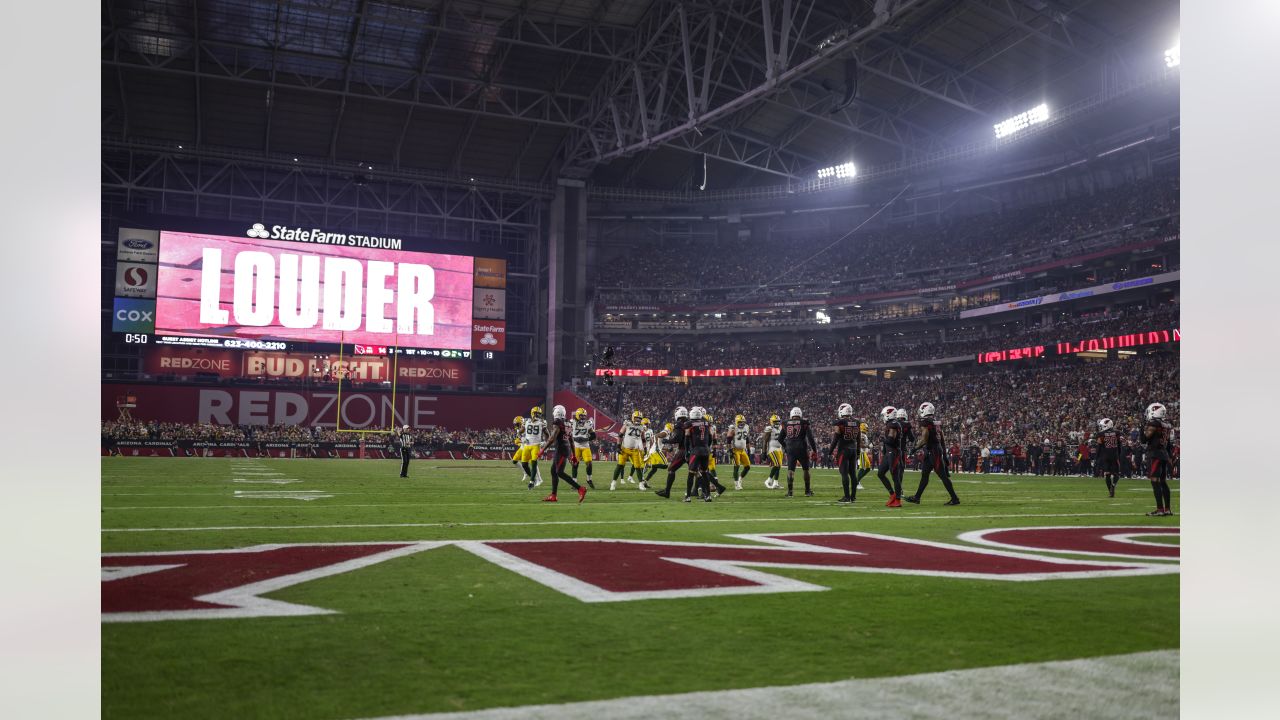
{"x":500,"y":360}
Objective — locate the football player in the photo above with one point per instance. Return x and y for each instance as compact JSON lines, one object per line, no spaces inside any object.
{"x":1108,"y":443}
{"x":631,"y":447}
{"x":864,"y":457}
{"x":935,"y":459}
{"x":678,"y":455}
{"x":698,"y":441}
{"x":583,"y":430}
{"x":799,"y":441}
{"x":562,"y":440}
{"x":845,"y":442}
{"x":908,"y":440}
{"x":1158,"y":436}
{"x":711,"y":456}
{"x":890,"y":456}
{"x":655,"y":458}
{"x":739,"y":439}
{"x":535,"y":431}
{"x":772,"y":442}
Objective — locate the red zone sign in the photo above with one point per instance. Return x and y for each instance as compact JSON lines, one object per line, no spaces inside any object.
{"x":214,"y":584}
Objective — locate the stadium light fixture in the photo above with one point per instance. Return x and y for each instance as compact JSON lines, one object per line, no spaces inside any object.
{"x":843,"y":171}
{"x":1173,"y":56}
{"x":1022,"y":121}
{"x":823,"y":318}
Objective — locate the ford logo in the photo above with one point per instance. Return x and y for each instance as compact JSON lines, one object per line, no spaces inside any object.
{"x":135,"y":244}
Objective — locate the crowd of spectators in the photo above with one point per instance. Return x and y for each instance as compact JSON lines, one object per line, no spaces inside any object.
{"x":986,"y":406}
{"x":832,"y":349}
{"x":883,"y":260}
{"x":205,"y":432}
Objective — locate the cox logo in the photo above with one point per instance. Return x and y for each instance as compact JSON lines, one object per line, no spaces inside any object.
{"x":133,"y":316}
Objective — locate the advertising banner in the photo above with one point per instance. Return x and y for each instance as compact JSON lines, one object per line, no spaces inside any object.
{"x":489,"y":335}
{"x":138,"y":246}
{"x":1052,"y":298}
{"x":491,"y":304}
{"x":325,"y":367}
{"x":361,"y":410}
{"x":135,"y":281}
{"x":133,"y":316}
{"x":253,"y":287}
{"x":491,"y":273}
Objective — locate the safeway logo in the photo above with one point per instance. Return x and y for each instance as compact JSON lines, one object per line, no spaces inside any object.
{"x":136,"y":277}
{"x":211,"y":584}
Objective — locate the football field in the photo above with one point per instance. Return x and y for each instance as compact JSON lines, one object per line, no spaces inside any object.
{"x":334,"y":589}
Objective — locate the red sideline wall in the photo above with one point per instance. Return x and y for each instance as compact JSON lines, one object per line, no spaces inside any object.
{"x":270,"y":406}
{"x":571,"y":401}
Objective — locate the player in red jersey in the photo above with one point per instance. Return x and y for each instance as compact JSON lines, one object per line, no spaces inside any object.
{"x":562,"y":440}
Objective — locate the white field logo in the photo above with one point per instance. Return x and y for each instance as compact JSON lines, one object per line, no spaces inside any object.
{"x":353,"y":292}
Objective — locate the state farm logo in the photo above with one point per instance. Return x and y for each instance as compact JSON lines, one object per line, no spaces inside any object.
{"x":258,"y":231}
{"x":488,"y":339}
{"x":136,"y":277}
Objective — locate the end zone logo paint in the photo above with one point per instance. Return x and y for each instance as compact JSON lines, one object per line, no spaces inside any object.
{"x":211,"y":584}
{"x":133,"y":316}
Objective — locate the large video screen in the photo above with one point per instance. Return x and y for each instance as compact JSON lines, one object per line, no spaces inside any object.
{"x":259,"y":289}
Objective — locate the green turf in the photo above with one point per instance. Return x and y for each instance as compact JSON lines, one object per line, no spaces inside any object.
{"x":445,"y":630}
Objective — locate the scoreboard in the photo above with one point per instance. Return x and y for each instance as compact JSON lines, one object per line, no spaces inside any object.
{"x":296,"y":289}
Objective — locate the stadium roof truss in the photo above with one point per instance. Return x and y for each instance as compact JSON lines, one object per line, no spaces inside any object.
{"x":515,"y":93}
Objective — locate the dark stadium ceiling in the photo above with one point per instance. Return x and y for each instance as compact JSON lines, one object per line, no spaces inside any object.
{"x":537,"y":89}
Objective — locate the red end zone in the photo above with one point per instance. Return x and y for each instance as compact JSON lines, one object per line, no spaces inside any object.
{"x":1122,"y":541}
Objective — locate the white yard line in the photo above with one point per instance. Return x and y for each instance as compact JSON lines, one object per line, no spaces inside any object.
{"x":1133,"y":687}
{"x":835,"y":518}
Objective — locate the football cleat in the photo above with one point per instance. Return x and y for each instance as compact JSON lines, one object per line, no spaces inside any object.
{"x":808,"y":493}
{"x":591,"y":484}
{"x":550,"y":498}
{"x":532,"y":484}
{"x":737,"y":484}
{"x":631,"y":480}
{"x":845,"y":499}
{"x":914,"y":500}
{"x":662,"y":493}
{"x":788,"y":494}
{"x":894,"y":501}
{"x":537,"y":481}
{"x":706,"y":498}
{"x":688,"y":498}
{"x":860,"y":487}
{"x":642,"y":486}
{"x":582,"y":494}
{"x":952,"y":501}
{"x":613,"y":485}
{"x":1158,"y":512}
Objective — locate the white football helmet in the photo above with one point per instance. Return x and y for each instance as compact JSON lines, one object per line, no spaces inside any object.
{"x":844,"y":411}
{"x":681,"y":412}
{"x":557,"y":412}
{"x":900,"y":414}
{"x":886,"y":413}
{"x":1155,"y":411}
{"x":795,"y":412}
{"x":1105,"y":424}
{"x":926,"y":410}
{"x":696,"y":413}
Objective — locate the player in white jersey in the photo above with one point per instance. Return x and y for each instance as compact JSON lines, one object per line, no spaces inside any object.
{"x":583,"y":431}
{"x":740,"y":446}
{"x":653,"y":457}
{"x":772,"y":442}
{"x":535,"y":431}
{"x":660,"y":450}
{"x":631,"y":448}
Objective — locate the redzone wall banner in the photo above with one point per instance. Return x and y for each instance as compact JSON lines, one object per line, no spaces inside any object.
{"x":360,"y":410}
{"x":732,"y":372}
{"x":362,"y":368}
{"x":250,"y":287}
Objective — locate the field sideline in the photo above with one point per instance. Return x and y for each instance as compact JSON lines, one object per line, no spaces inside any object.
{"x":441,"y":612}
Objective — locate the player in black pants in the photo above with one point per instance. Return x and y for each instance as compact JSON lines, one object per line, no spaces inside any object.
{"x":680,"y":455}
{"x":563,"y":443}
{"x":845,"y":441}
{"x":1108,"y":463}
{"x":905,"y":446}
{"x":890,"y":456}
{"x":1158,"y":435}
{"x":406,"y":450}
{"x":798,"y":437}
{"x":935,"y":459}
{"x":698,"y":441}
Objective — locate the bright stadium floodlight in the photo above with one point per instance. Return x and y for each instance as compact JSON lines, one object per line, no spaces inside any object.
{"x":822,"y":317}
{"x":844,"y":171}
{"x":1173,"y":56}
{"x":1037,"y":114}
